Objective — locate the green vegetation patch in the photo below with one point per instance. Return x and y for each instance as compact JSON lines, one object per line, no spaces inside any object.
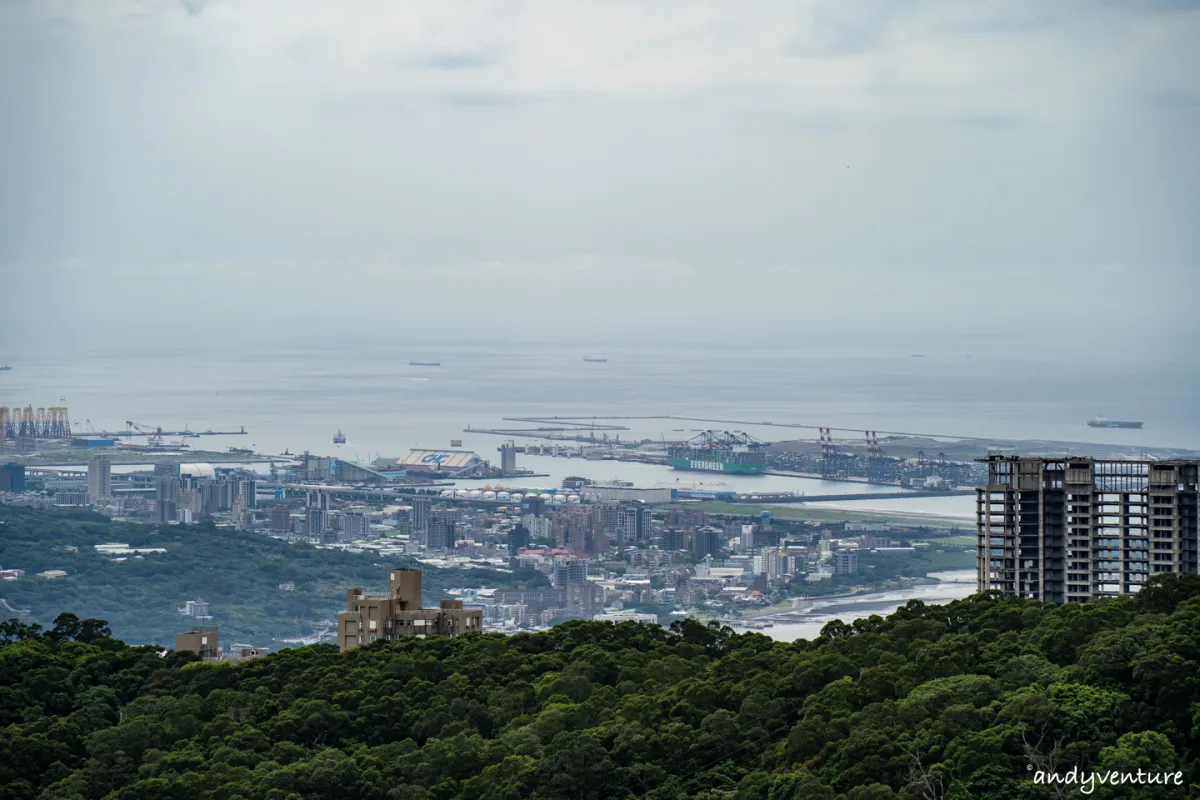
{"x":237,"y":573}
{"x":957,"y":702}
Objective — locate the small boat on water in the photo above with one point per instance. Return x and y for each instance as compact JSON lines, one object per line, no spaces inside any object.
{"x":1101,"y":422}
{"x":596,"y":359}
{"x":339,"y":438}
{"x":415,"y":363}
{"x":5,"y":368}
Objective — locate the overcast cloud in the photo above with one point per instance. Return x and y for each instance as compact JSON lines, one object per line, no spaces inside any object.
{"x":614,"y":169}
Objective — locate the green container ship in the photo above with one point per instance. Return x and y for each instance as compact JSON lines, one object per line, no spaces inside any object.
{"x":720,"y":451}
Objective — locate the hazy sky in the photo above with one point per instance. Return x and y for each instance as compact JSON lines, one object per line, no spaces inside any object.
{"x":603,"y":169}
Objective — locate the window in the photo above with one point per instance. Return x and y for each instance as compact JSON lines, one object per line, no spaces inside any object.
{"x":373,"y":624}
{"x":356,"y":608}
{"x":372,"y":638}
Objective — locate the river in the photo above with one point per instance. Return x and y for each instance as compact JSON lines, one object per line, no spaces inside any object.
{"x":808,"y":622}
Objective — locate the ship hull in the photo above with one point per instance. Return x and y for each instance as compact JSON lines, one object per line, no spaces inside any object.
{"x":726,"y":467}
{"x":1094,"y":424}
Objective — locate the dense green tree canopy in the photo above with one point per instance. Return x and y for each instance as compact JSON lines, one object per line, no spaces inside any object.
{"x":966,"y":700}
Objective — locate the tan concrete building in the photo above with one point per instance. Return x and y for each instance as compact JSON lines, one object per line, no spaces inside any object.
{"x":99,"y":478}
{"x":370,"y":618}
{"x":201,"y":640}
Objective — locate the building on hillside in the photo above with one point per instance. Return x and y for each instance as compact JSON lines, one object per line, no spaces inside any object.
{"x":195,"y":608}
{"x":245,"y":652}
{"x":399,"y":613}
{"x":201,"y":640}
{"x":1070,"y":529}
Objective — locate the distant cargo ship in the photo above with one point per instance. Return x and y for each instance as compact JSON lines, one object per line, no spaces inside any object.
{"x":339,"y":438}
{"x":596,"y":359}
{"x":720,"y":451}
{"x":5,"y":368}
{"x":415,"y":363}
{"x":1101,"y":422}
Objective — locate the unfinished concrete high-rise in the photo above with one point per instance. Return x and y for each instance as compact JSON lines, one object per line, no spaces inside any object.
{"x":1070,"y":529}
{"x":398,"y":613}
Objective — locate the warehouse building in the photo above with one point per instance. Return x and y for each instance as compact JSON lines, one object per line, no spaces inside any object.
{"x":433,"y":462}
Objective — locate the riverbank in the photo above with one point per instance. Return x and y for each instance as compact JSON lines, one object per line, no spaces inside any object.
{"x":806,"y":623}
{"x":802,"y":513}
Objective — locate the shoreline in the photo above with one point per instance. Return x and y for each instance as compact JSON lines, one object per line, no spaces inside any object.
{"x":801,"y":512}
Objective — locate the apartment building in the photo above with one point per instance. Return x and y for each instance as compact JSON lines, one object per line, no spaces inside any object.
{"x":399,"y":613}
{"x":1069,"y":529}
{"x":99,"y":478}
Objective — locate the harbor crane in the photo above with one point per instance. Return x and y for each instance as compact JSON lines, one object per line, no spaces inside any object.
{"x":153,"y":434}
{"x":725,"y":440}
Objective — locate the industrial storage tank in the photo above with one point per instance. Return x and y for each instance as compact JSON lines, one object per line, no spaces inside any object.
{"x":447,"y":493}
{"x":572,"y":498}
{"x":489,"y":495}
{"x":546,"y":497}
{"x":197,"y":471}
{"x":503,"y":495}
{"x":560,"y":498}
{"x":460,"y":492}
{"x":517,"y":497}
{"x":474,"y":493}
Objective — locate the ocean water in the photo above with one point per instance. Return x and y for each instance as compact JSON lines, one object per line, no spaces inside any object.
{"x":296,"y":398}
